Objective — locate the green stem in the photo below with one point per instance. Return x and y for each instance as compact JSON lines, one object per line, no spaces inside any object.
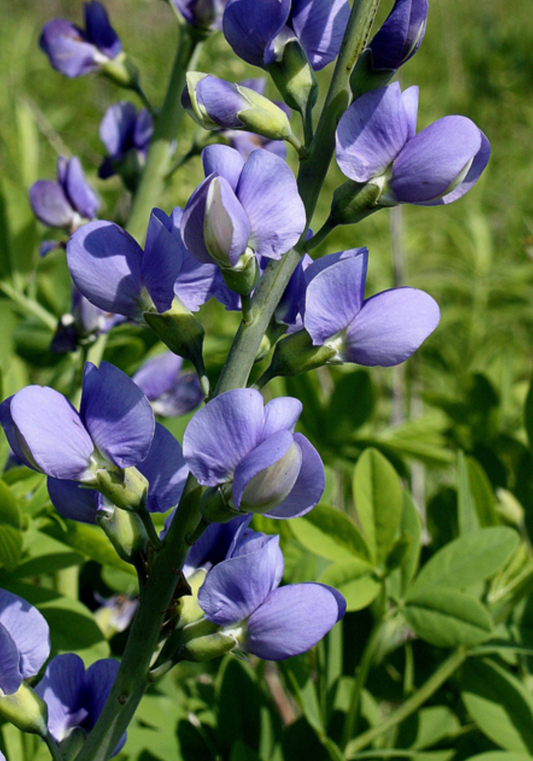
{"x":52,"y":747}
{"x":359,"y":682}
{"x":322,"y":234}
{"x":315,"y":166}
{"x":436,"y":680}
{"x":145,"y":99}
{"x":133,"y":676}
{"x":28,"y":305}
{"x":159,"y":153}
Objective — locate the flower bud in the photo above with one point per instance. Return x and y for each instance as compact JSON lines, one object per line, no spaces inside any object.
{"x":126,"y":488}
{"x":296,"y":354}
{"x":26,"y":710}
{"x":293,"y":75}
{"x":124,"y":530}
{"x":203,"y":641}
{"x":217,"y":104}
{"x":353,"y":201}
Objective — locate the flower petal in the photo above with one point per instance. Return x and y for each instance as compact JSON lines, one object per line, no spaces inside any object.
{"x":309,"y":486}
{"x":226,"y":225}
{"x":99,"y":30}
{"x":267,"y":474}
{"x":10,"y":675}
{"x":72,"y":500}
{"x":342,"y":284}
{"x":67,"y":48}
{"x":281,"y":414}
{"x":473,"y":175}
{"x":248,"y":26}
{"x":222,"y":101}
{"x":320,"y":27}
{"x":390,"y":327}
{"x":116,"y":128}
{"x":161,"y":263}
{"x":105,"y":264}
{"x":371,"y":133}
{"x":51,"y":433}
{"x":50,"y":204}
{"x":224,"y":161}
{"x":99,"y":680}
{"x":268,"y":192}
{"x":401,"y":35}
{"x":237,"y":586}
{"x":166,"y":471}
{"x":433,"y":159}
{"x":62,"y":688}
{"x":214,"y":544}
{"x":158,"y":374}
{"x":117,"y":414}
{"x":293,"y":619}
{"x":192,"y":223}
{"x":222,"y":433}
{"x":81,"y":195}
{"x":28,"y":630}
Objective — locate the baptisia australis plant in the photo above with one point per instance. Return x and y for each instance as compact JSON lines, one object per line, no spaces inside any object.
{"x":209,"y":584}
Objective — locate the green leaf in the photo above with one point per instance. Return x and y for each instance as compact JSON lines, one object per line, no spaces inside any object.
{"x":412,"y":525}
{"x":482,"y":494}
{"x":528,"y":415}
{"x":466,"y":511}
{"x":144,"y":744}
{"x":448,"y":618}
{"x":329,"y":533}
{"x":499,"y":704}
{"x":242,"y":752}
{"x":427,"y":728}
{"x":10,"y":534}
{"x":466,"y":561}
{"x":42,"y":554}
{"x":378,"y":501}
{"x":354,"y":580}
{"x":500,"y":755}
{"x":242,"y":708}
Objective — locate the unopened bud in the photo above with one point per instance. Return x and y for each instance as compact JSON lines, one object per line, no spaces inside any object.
{"x":125,"y":488}
{"x":26,"y":710}
{"x":293,"y":75}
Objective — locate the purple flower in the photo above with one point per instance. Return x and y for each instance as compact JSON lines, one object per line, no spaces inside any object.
{"x":111,"y":270}
{"x":25,"y":641}
{"x":401,"y":35}
{"x":242,"y":208}
{"x":204,"y":14}
{"x":75,"y":697}
{"x":258,"y":29}
{"x":126,"y":134}
{"x":170,"y":392}
{"x":73,"y":51}
{"x":382,"y":330}
{"x":242,"y":594}
{"x":114,"y":428}
{"x":163,"y":467}
{"x":67,"y":202}
{"x":377,"y":144}
{"x":234,"y":441}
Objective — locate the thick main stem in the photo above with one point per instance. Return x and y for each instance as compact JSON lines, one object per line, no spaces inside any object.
{"x":132,"y":678}
{"x":436,"y":680}
{"x":166,"y":127}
